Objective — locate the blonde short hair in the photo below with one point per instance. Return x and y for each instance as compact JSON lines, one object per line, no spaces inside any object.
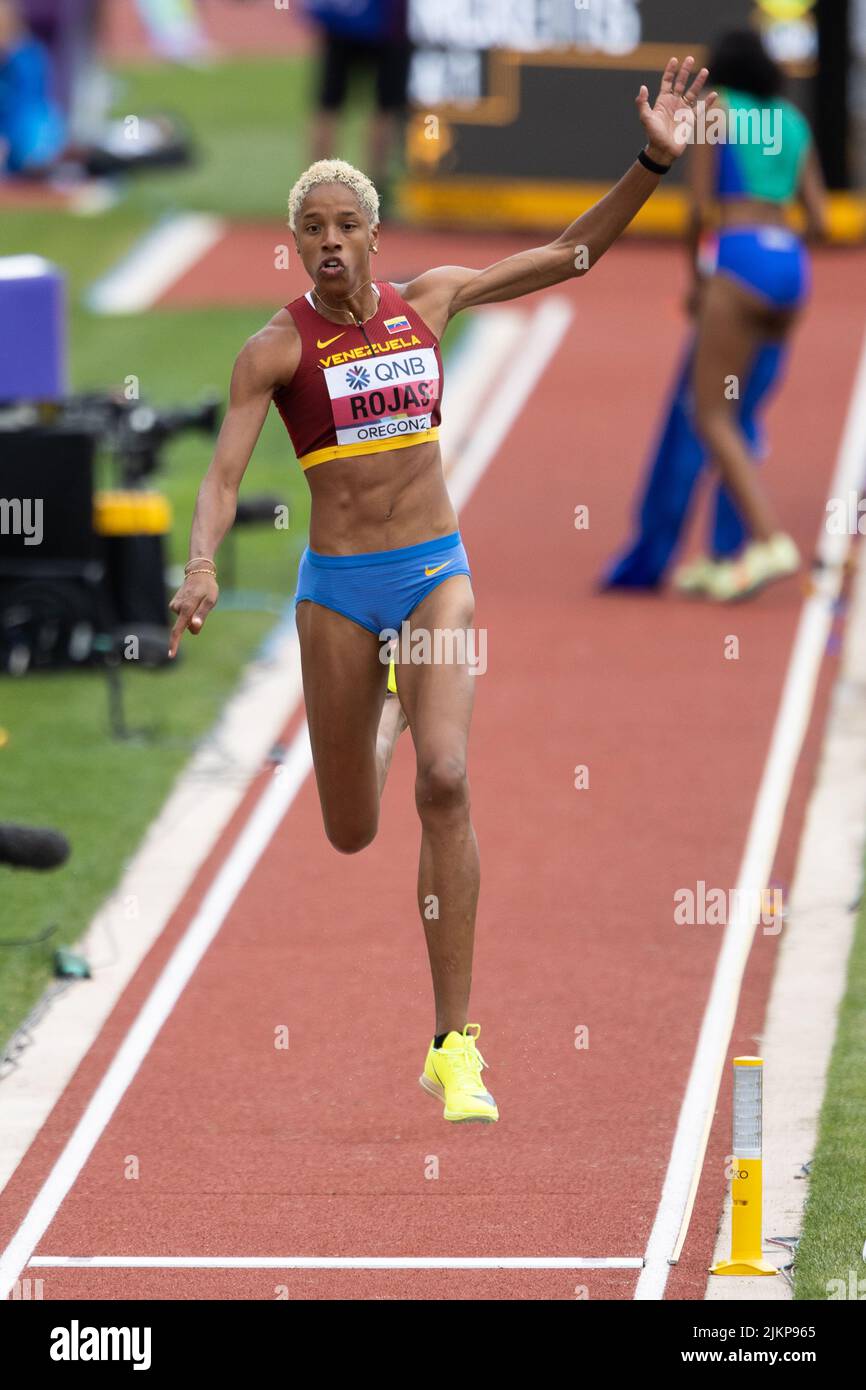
{"x":334,"y":171}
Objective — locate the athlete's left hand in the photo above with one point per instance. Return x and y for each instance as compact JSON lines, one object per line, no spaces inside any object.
{"x":670,"y":123}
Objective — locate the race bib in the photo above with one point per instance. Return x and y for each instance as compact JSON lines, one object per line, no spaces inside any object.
{"x":379,"y":398}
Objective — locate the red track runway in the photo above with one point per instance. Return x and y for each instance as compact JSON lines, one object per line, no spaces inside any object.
{"x":322,"y":1149}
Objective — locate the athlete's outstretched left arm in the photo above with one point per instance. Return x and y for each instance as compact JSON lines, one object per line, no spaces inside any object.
{"x":668,"y":124}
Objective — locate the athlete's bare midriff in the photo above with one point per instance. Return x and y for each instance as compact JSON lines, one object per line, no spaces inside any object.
{"x":751,"y":212}
{"x":370,"y":502}
{"x":379,"y":501}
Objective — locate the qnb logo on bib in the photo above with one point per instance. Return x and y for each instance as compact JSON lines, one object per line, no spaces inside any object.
{"x":384,"y":398}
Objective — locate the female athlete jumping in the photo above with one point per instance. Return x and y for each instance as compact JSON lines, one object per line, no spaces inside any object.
{"x":354,"y":369}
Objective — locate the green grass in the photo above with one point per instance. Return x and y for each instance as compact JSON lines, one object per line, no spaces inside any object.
{"x":249,"y":124}
{"x":59,"y":765}
{"x":251,"y":127}
{"x":835,"y":1217}
{"x":247,"y":154}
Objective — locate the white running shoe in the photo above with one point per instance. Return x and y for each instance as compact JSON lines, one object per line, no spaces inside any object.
{"x":696,"y":576}
{"x":762,"y":562}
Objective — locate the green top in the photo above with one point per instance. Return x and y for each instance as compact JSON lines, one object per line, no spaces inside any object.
{"x":765,"y":146}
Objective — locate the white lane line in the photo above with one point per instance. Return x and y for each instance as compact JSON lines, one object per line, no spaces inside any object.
{"x":197,"y":810}
{"x":472,"y":369}
{"x":810,"y":979}
{"x":246,"y":852}
{"x":699,"y":1103}
{"x":153,"y":265}
{"x":543,"y":336}
{"x":171,"y":853}
{"x":333,"y":1262}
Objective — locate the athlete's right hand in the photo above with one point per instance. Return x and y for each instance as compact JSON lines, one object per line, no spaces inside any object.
{"x":193,"y":601}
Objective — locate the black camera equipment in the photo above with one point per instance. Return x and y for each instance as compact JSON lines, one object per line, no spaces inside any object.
{"x":82,"y":570}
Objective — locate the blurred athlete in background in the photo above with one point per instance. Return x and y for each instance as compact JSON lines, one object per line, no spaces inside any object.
{"x":751,"y":280}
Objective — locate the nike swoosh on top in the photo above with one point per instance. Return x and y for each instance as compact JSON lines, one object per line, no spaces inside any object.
{"x":320,"y":344}
{"x":436,"y":568}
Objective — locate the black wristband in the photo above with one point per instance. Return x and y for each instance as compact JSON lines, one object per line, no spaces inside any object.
{"x":644,"y":159}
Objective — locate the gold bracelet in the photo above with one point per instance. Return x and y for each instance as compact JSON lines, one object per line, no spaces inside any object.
{"x":212,"y":573}
{"x":195,"y":559}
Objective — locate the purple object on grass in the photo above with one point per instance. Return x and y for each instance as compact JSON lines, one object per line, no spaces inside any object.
{"x":32,"y":330}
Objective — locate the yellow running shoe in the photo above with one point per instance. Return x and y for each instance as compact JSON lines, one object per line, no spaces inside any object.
{"x":453,"y":1073}
{"x":392,"y":679}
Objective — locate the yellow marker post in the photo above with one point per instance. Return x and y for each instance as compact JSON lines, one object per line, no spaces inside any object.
{"x":747,"y":1183}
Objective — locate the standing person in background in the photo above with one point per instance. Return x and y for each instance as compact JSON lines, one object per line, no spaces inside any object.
{"x":751,"y":280}
{"x":362,"y":35}
{"x":68,"y":30}
{"x":32,"y":127}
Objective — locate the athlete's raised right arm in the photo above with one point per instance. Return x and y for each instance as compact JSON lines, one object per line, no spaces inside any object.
{"x":441,"y":293}
{"x":266,"y":361}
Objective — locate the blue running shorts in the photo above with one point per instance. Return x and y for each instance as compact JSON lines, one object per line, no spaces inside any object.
{"x":381,"y":589}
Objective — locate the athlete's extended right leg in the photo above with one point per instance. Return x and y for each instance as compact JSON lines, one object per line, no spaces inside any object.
{"x":344,"y":690}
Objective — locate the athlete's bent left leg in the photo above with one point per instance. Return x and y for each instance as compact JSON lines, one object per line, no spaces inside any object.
{"x":344,"y":689}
